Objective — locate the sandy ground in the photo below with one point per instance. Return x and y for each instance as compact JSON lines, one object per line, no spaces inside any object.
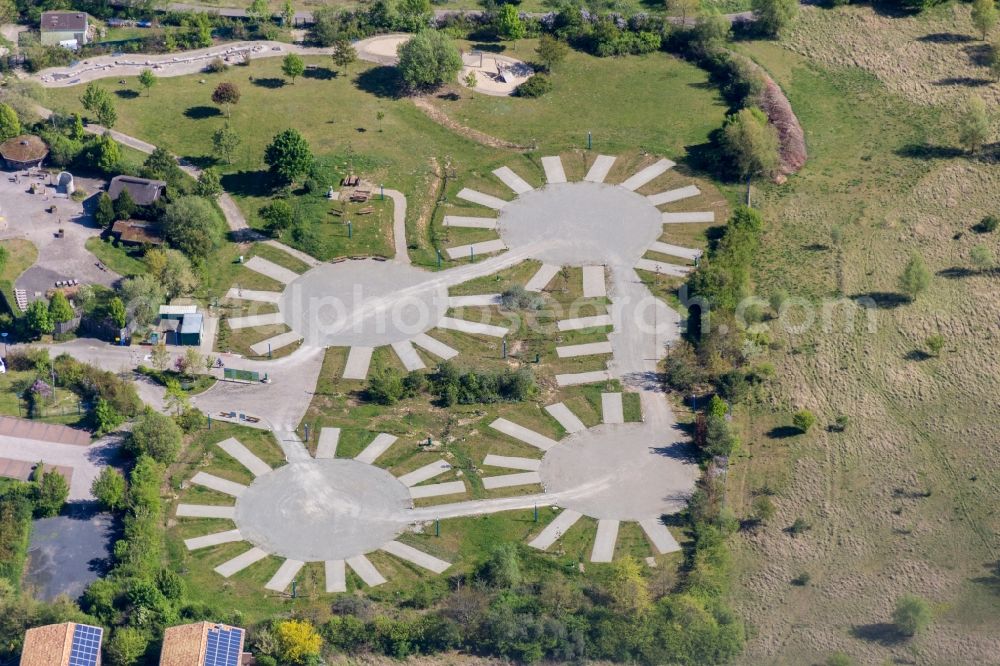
{"x":487,"y":71}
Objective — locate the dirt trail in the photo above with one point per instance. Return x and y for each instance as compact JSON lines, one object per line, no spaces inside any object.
{"x":441,"y":118}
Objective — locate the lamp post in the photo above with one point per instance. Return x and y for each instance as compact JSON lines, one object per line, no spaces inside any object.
{"x":4,"y":336}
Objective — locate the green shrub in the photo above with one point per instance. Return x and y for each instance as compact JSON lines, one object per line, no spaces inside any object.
{"x":803,"y":420}
{"x":535,"y":86}
{"x":912,"y":615}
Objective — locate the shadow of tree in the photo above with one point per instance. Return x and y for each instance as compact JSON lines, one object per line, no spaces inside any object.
{"x":382,"y":81}
{"x":967,"y":81}
{"x":917,"y":355}
{"x":979,"y":54}
{"x":923,"y":151}
{"x":992,"y":578}
{"x":126,"y":93}
{"x":202,"y":112}
{"x":945,"y":38}
{"x":885,"y":300}
{"x":319,"y":73}
{"x":271,"y":83}
{"x":883,"y":633}
{"x":956,"y":272}
{"x":783,"y":432}
{"x":248,"y":183}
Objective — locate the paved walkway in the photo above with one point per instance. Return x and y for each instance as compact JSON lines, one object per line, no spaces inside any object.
{"x":85,"y":461}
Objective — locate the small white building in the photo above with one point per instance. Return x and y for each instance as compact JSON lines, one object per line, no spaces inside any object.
{"x":66,"y":29}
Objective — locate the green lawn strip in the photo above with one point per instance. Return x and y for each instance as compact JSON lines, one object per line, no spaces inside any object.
{"x":632,"y":542}
{"x":238,"y":341}
{"x":498,"y":282}
{"x":21,"y":255}
{"x":632,"y":407}
{"x":122,"y":260}
{"x":15,"y":525}
{"x":280,"y":257}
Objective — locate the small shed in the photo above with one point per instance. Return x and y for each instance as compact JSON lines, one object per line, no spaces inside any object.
{"x":67,"y":29}
{"x":23,"y":152}
{"x":136,"y":232}
{"x":192,"y":326}
{"x":176,"y":312}
{"x":144,"y":191}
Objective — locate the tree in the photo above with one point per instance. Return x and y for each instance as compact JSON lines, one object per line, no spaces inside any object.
{"x":803,"y":420}
{"x":76,"y":131}
{"x":107,"y":154}
{"x":160,"y":357}
{"x":508,"y":23}
{"x":288,"y":14}
{"x":124,"y":205}
{"x":93,"y":96}
{"x":126,"y":646}
{"x":289,"y":155}
{"x":172,"y":270}
{"x":551,"y":51}
{"x":429,"y":59}
{"x":157,"y":436}
{"x":226,"y":94}
{"x":912,"y":615}
{"x":147,"y":79}
{"x":684,"y":9}
{"x":994,"y":59}
{"x":298,"y":641}
{"x":278,"y":216}
{"x":982,"y":257}
{"x":470,"y":82}
{"x":109,"y":489}
{"x":59,"y":308}
{"x":916,"y":277}
{"x":143,"y":295}
{"x":973,"y":124}
{"x":774,"y":16}
{"x":751,"y":143}
{"x":106,"y":114}
{"x":116,"y":312}
{"x":502,"y":569}
{"x":209,"y":184}
{"x":293,"y":66}
{"x":10,"y":125}
{"x":763,"y":508}
{"x":8,"y":11}
{"x":935,"y":343}
{"x":176,"y":399}
{"x":257,"y":12}
{"x":192,"y":225}
{"x":627,"y":588}
{"x":51,"y":492}
{"x":194,"y":360}
{"x":106,"y":417}
{"x":413,"y":15}
{"x":104,"y":214}
{"x":380,"y":116}
{"x":225,"y":141}
{"x":37,"y":318}
{"x":984,"y":16}
{"x":343,"y":53}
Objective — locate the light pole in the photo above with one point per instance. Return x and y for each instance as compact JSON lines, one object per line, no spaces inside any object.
{"x":4,"y":336}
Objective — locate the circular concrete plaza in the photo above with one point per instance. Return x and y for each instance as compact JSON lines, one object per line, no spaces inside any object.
{"x":363,"y":303}
{"x":322,"y":510}
{"x":620,"y":472}
{"x":576,"y":224}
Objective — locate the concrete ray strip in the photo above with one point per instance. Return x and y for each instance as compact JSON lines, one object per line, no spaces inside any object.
{"x":542,"y":277}
{"x":581,"y":323}
{"x":604,"y":542}
{"x":277,"y":342}
{"x":512,"y":462}
{"x":437,"y":489}
{"x":244,"y":456}
{"x":600,"y":168}
{"x":378,"y":446}
{"x":689,"y":218}
{"x":418,"y":557}
{"x":675,"y":250}
{"x":408,"y":355}
{"x":511,"y":480}
{"x":425,"y":473}
{"x":436,"y":347}
{"x":366,"y":570}
{"x":578,"y":378}
{"x":268,"y":319}
{"x":512,"y":180}
{"x":254,"y":295}
{"x":482,"y":199}
{"x":205,"y":511}
{"x":554,"y":530}
{"x":526,"y":435}
{"x":554,"y":172}
{"x":240,"y":562}
{"x":476,"y":300}
{"x":659,"y":536}
{"x":588,"y":349}
{"x":327,"y":445}
{"x":567,"y":419}
{"x":218,"y":484}
{"x":472,"y":327}
{"x":476,"y":249}
{"x":612,"y":408}
{"x":271,"y":269}
{"x":358,"y":360}
{"x":594,"y":285}
{"x":470,"y":222}
{"x":663,"y":267}
{"x":336,"y":576}
{"x":284,"y":576}
{"x":215,"y":539}
{"x":647,"y":174}
{"x":671,"y":196}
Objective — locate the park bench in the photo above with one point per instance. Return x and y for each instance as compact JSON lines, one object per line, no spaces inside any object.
{"x":367,"y":210}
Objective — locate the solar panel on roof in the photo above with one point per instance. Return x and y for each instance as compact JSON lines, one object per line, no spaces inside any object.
{"x":86,"y":646}
{"x":223,"y":647}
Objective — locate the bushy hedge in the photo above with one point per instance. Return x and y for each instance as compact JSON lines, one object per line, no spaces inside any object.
{"x":535,"y":86}
{"x":452,"y":385}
